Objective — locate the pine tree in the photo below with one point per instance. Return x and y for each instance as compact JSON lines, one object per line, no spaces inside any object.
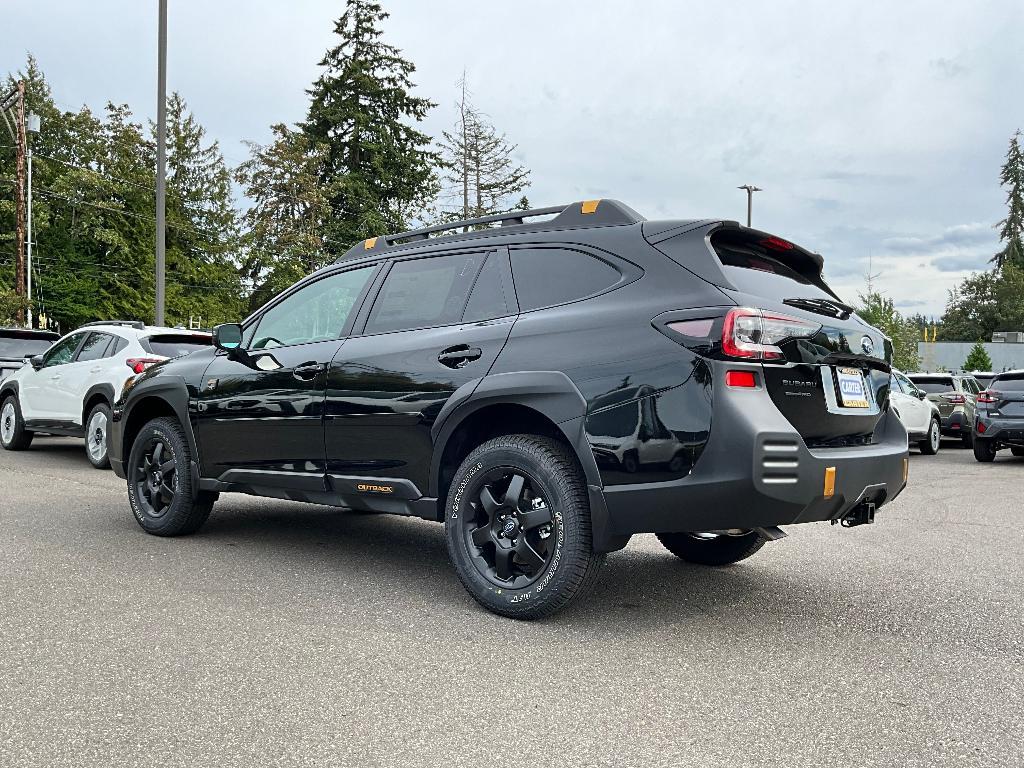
{"x":290,"y":211}
{"x":379,"y":168}
{"x":978,"y":359}
{"x":480,"y":170}
{"x":1011,"y":229}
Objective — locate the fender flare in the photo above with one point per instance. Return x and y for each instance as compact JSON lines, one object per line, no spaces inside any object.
{"x":173,"y":391}
{"x":107,"y":390}
{"x":8,"y":388}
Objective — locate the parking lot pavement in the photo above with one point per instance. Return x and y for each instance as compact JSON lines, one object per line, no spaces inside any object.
{"x":289,"y":634}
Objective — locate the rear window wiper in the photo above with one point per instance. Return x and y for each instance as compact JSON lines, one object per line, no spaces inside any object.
{"x":828,"y":307}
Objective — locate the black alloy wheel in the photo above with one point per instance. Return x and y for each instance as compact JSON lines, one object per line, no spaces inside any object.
{"x":512,"y":533}
{"x":155,"y":477}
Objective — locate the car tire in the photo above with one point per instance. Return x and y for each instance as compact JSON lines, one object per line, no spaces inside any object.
{"x":517,"y":524}
{"x":930,"y":445}
{"x":984,"y":449}
{"x":159,"y":480}
{"x":967,"y":439}
{"x":712,"y":549}
{"x":97,"y":427}
{"x":13,"y":435}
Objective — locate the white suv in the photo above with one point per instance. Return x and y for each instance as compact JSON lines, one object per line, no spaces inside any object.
{"x":920,"y":416}
{"x":70,"y":389}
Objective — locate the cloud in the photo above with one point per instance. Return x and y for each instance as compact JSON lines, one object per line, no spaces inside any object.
{"x":955,"y":237}
{"x":947,"y":68}
{"x":910,"y":303}
{"x":963,"y":263}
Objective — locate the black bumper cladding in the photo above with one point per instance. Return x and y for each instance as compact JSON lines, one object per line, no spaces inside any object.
{"x":757,"y":472}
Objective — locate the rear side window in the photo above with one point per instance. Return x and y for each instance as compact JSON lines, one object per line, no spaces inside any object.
{"x":422,"y":293}
{"x":548,"y":276}
{"x":117,"y":347}
{"x":169,"y":345}
{"x":95,"y":347}
{"x":935,"y":385}
{"x":1009,"y":384}
{"x":488,"y":299}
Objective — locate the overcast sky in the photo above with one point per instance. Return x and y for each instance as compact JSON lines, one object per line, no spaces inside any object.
{"x":876,"y":129}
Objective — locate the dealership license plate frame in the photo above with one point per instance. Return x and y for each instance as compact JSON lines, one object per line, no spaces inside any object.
{"x":852,"y":399}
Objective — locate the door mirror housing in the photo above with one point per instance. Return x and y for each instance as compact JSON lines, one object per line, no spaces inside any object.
{"x":920,"y":394}
{"x":36,"y":361}
{"x":227,"y":336}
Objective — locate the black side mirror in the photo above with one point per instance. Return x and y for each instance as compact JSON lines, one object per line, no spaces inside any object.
{"x":227,"y":336}
{"x":36,"y":361}
{"x":921,"y":395}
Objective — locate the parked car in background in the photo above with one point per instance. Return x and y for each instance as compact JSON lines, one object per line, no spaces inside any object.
{"x":19,"y":344}
{"x":955,"y":395}
{"x":69,"y":388}
{"x":919,"y":415}
{"x":999,"y":421}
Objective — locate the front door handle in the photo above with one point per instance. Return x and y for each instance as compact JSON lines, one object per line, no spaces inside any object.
{"x":95,"y":370}
{"x":308,"y":371}
{"x":459,"y":355}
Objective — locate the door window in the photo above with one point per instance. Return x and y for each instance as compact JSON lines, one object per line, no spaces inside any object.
{"x":62,"y":352}
{"x":423,"y":293}
{"x":894,"y":384}
{"x":316,"y":312}
{"x":488,"y":299}
{"x":548,"y":276}
{"x":95,"y":347}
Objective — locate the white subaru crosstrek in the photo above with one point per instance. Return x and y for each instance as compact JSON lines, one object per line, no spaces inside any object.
{"x":69,"y":390}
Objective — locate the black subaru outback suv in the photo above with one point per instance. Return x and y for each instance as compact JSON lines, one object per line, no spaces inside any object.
{"x":546,"y":383}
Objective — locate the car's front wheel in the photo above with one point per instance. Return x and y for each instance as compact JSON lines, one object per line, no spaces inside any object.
{"x":13,"y":435}
{"x":97,"y":424}
{"x":518,"y":527}
{"x":930,"y":445}
{"x":160,"y":481}
{"x":712,"y":548}
{"x":984,"y":449}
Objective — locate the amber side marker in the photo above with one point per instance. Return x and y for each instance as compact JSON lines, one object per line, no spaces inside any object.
{"x":370,"y":242}
{"x":906,"y":468}
{"x":830,"y":482}
{"x":589,"y":206}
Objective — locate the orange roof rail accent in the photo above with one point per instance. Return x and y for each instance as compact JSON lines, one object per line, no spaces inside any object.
{"x":589,"y":206}
{"x":370,"y":242}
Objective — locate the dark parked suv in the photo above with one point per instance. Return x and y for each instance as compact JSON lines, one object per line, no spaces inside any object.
{"x":999,"y":422}
{"x":546,"y":383}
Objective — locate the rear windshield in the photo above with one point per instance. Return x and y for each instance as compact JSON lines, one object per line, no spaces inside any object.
{"x":23,"y":347}
{"x":1014,"y":384}
{"x":934,"y":385}
{"x":769,"y":266}
{"x":176,"y":346}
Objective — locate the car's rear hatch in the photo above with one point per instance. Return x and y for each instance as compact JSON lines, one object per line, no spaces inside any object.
{"x":1008,"y":394}
{"x":940,"y":389}
{"x":830,"y":379}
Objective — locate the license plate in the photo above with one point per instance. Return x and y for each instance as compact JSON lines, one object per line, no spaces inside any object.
{"x":852,"y":391}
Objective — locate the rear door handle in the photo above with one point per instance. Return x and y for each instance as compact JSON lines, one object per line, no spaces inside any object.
{"x":459,"y":355}
{"x":95,"y":370}
{"x":308,"y":371}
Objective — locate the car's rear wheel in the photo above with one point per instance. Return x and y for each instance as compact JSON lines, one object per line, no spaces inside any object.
{"x":13,"y":435}
{"x":712,"y":548}
{"x":97,"y":424}
{"x":160,"y":481}
{"x":930,"y":445}
{"x":967,"y":439}
{"x":984,"y":449}
{"x":518,"y":527}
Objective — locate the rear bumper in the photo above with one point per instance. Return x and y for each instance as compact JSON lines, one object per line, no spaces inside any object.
{"x":956,"y":423}
{"x":757,"y":472}
{"x":1008,"y":431}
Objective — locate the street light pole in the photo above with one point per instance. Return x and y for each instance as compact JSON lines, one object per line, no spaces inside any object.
{"x":751,"y":189}
{"x":161,"y":158}
{"x":33,"y":127}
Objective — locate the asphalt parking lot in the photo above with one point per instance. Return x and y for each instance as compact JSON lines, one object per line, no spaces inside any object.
{"x":288,"y":634}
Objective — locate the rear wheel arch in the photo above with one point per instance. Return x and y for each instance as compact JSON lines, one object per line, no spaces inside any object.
{"x":98,"y":393}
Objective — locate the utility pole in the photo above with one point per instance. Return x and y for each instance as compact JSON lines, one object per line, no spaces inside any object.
{"x":161,"y":158}
{"x":751,"y":189}
{"x":33,"y":127}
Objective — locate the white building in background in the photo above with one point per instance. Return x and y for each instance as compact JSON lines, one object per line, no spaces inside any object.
{"x":950,"y":355}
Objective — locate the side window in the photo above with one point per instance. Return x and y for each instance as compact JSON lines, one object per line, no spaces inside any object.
{"x":316,"y":312}
{"x":906,"y":384}
{"x":62,"y":352}
{"x":95,"y":347}
{"x":488,"y":299}
{"x":421,"y":293}
{"x":548,"y":276}
{"x":117,"y":347}
{"x":895,"y":384}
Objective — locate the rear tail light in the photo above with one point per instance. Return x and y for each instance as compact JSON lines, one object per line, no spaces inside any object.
{"x":988,"y":397}
{"x":981,"y":428}
{"x":139,"y":364}
{"x":756,"y":333}
{"x":956,"y":399}
{"x":744,"y":379}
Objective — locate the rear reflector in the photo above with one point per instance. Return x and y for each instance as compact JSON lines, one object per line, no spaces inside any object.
{"x":745,"y":379}
{"x":988,"y":396}
{"x":906,"y":469}
{"x":981,"y":428}
{"x":830,"y":482}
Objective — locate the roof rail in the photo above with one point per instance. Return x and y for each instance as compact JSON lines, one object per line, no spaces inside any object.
{"x":136,"y":324}
{"x":585,"y":213}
